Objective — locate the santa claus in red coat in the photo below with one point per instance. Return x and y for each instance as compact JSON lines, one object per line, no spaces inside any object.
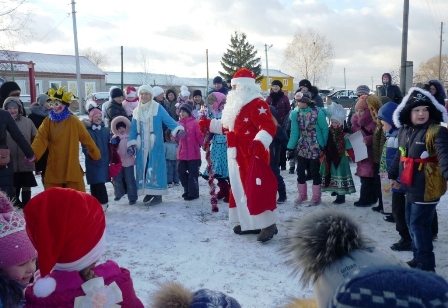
{"x":249,"y":127}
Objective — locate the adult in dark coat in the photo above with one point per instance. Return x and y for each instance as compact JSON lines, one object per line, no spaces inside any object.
{"x":305,"y":85}
{"x":10,"y":88}
{"x":170,"y":103}
{"x":115,"y":107}
{"x":437,"y":90}
{"x":280,"y":102}
{"x":389,"y":90}
{"x":39,"y":111}
{"x":218,"y":86}
{"x":7,"y":124}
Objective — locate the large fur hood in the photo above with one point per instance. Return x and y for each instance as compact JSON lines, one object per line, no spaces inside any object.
{"x":319,"y":239}
{"x":172,"y":295}
{"x":113,"y":125}
{"x":441,"y":93}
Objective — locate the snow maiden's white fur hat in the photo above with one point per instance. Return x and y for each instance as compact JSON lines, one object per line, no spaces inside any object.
{"x":146,"y":88}
{"x":326,"y":246}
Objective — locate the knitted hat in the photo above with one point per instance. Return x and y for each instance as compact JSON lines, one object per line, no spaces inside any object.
{"x":187,"y":108}
{"x":361,"y":104}
{"x":41,"y":99}
{"x":67,"y":227}
{"x":16,"y":247}
{"x":61,"y":95}
{"x":197,"y":93}
{"x":11,"y":101}
{"x":157,"y":91}
{"x":391,"y":286}
{"x":7,"y":88}
{"x":243,"y":77}
{"x":277,"y":83}
{"x":417,"y":97}
{"x":173,"y":294}
{"x":305,"y":83}
{"x":130,"y":92}
{"x":184,"y":91}
{"x":146,"y":88}
{"x":116,"y":92}
{"x":336,"y":112}
{"x":326,"y":246}
{"x":93,"y":112}
{"x":217,"y":79}
{"x":362,"y":90}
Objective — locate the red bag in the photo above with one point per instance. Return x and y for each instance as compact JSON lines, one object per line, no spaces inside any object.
{"x":261,"y":187}
{"x":114,"y":163}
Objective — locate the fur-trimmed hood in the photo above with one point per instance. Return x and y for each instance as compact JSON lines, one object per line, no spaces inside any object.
{"x":126,"y":121}
{"x":39,"y":110}
{"x":319,"y":239}
{"x":415,"y":97}
{"x":441,"y":93}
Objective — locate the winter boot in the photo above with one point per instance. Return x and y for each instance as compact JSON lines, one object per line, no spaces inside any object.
{"x":340,"y":199}
{"x":281,"y":197}
{"x":223,"y":190}
{"x":237,"y":230}
{"x":302,"y":193}
{"x":267,"y":233}
{"x":105,"y":206}
{"x":147,"y":198}
{"x":154,"y":201}
{"x":404,"y":244}
{"x":315,"y":200}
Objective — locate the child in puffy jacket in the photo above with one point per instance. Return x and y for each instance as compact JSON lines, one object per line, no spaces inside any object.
{"x":171,"y":147}
{"x":189,"y":153}
{"x":124,"y":182}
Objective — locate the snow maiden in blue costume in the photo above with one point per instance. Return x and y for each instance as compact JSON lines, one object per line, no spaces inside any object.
{"x":146,"y":140}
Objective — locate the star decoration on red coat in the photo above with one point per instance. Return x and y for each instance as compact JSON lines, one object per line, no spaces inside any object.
{"x":262,"y":110}
{"x":246,"y":119}
{"x":247,"y":132}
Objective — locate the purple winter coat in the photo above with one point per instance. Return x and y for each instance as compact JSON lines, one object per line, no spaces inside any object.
{"x":283,"y":107}
{"x":365,"y":166}
{"x":190,"y":146}
{"x":68,"y":286}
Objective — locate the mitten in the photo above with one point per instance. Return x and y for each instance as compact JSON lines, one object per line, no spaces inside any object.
{"x":256,"y":148}
{"x":204,"y":125}
{"x":181,"y":134}
{"x":131,"y":150}
{"x":115,"y":141}
{"x":289,"y":154}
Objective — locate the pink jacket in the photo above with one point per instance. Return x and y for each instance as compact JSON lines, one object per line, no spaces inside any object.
{"x":129,"y":106}
{"x":365,"y":166}
{"x":68,"y":286}
{"x":190,"y":146}
{"x":126,"y":159}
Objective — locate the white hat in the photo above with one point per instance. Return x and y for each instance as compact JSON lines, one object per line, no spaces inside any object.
{"x":146,"y":88}
{"x":336,"y":112}
{"x":184,"y":91}
{"x":157,"y":91}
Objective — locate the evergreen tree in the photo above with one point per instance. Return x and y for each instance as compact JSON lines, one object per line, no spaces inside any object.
{"x":240,"y":54}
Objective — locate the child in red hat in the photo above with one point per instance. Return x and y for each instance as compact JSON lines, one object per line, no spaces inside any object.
{"x":67,"y":228}
{"x":17,"y":254}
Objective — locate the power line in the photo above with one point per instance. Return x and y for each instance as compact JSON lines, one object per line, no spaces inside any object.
{"x":430,"y":14}
{"x":68,"y":15}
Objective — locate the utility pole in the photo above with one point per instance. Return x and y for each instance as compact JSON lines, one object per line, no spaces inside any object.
{"x":206,"y":60}
{"x":122,"y":68}
{"x":78,"y":69}
{"x":404,"y":46}
{"x":345,"y":81}
{"x":266,"y":47}
{"x":440,"y":51}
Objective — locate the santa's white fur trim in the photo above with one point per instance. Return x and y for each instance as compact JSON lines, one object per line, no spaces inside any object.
{"x":216,"y":126}
{"x":176,"y":130}
{"x":231,"y":153}
{"x":397,"y":112}
{"x":242,"y":80}
{"x":44,"y":286}
{"x":264,"y":137}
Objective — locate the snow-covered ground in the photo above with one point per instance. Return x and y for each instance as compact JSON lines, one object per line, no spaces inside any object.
{"x":185,"y":242}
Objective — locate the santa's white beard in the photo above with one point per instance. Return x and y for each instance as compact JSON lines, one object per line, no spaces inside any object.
{"x":236,"y":99}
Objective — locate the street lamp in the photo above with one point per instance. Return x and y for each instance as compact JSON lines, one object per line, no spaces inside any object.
{"x":266,"y":48}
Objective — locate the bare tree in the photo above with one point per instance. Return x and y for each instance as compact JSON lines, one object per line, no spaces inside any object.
{"x":309,"y":55}
{"x":13,"y":23}
{"x":96,"y":57}
{"x":143,"y":57}
{"x":7,"y":68}
{"x":430,"y":69}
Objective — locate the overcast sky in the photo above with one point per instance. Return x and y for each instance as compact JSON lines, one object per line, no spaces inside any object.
{"x":366,"y":34}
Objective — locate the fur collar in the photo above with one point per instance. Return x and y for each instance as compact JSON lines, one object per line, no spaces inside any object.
{"x":40,"y":111}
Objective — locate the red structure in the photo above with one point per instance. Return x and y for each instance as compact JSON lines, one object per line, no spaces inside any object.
{"x":31,"y":77}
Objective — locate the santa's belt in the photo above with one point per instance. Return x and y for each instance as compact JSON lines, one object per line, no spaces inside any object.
{"x":231,"y":139}
{"x":408,"y":172}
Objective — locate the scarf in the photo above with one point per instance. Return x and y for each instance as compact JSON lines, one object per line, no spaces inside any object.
{"x":334,"y":152}
{"x":58,"y":117}
{"x":144,"y":113}
{"x":276,"y":97}
{"x":40,"y":111}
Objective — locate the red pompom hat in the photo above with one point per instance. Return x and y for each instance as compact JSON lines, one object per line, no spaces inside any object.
{"x":67,"y":228}
{"x":243,"y":77}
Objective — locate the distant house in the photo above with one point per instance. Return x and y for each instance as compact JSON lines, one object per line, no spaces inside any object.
{"x":53,"y":71}
{"x":136,"y":79}
{"x":286,"y":80}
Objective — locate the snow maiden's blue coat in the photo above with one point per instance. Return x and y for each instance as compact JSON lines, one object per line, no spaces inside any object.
{"x":151,"y":178}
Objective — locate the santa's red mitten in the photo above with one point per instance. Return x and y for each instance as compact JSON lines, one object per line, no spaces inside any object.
{"x":204,"y":125}
{"x":256,"y":148}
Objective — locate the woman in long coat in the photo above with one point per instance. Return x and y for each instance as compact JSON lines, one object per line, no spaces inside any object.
{"x":146,"y":138}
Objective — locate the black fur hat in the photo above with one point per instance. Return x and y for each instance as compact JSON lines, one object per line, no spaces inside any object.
{"x":277,"y":83}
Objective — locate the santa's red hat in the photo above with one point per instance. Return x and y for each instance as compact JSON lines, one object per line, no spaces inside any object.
{"x":131,"y":92}
{"x":243,"y":77}
{"x":67,"y":228}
